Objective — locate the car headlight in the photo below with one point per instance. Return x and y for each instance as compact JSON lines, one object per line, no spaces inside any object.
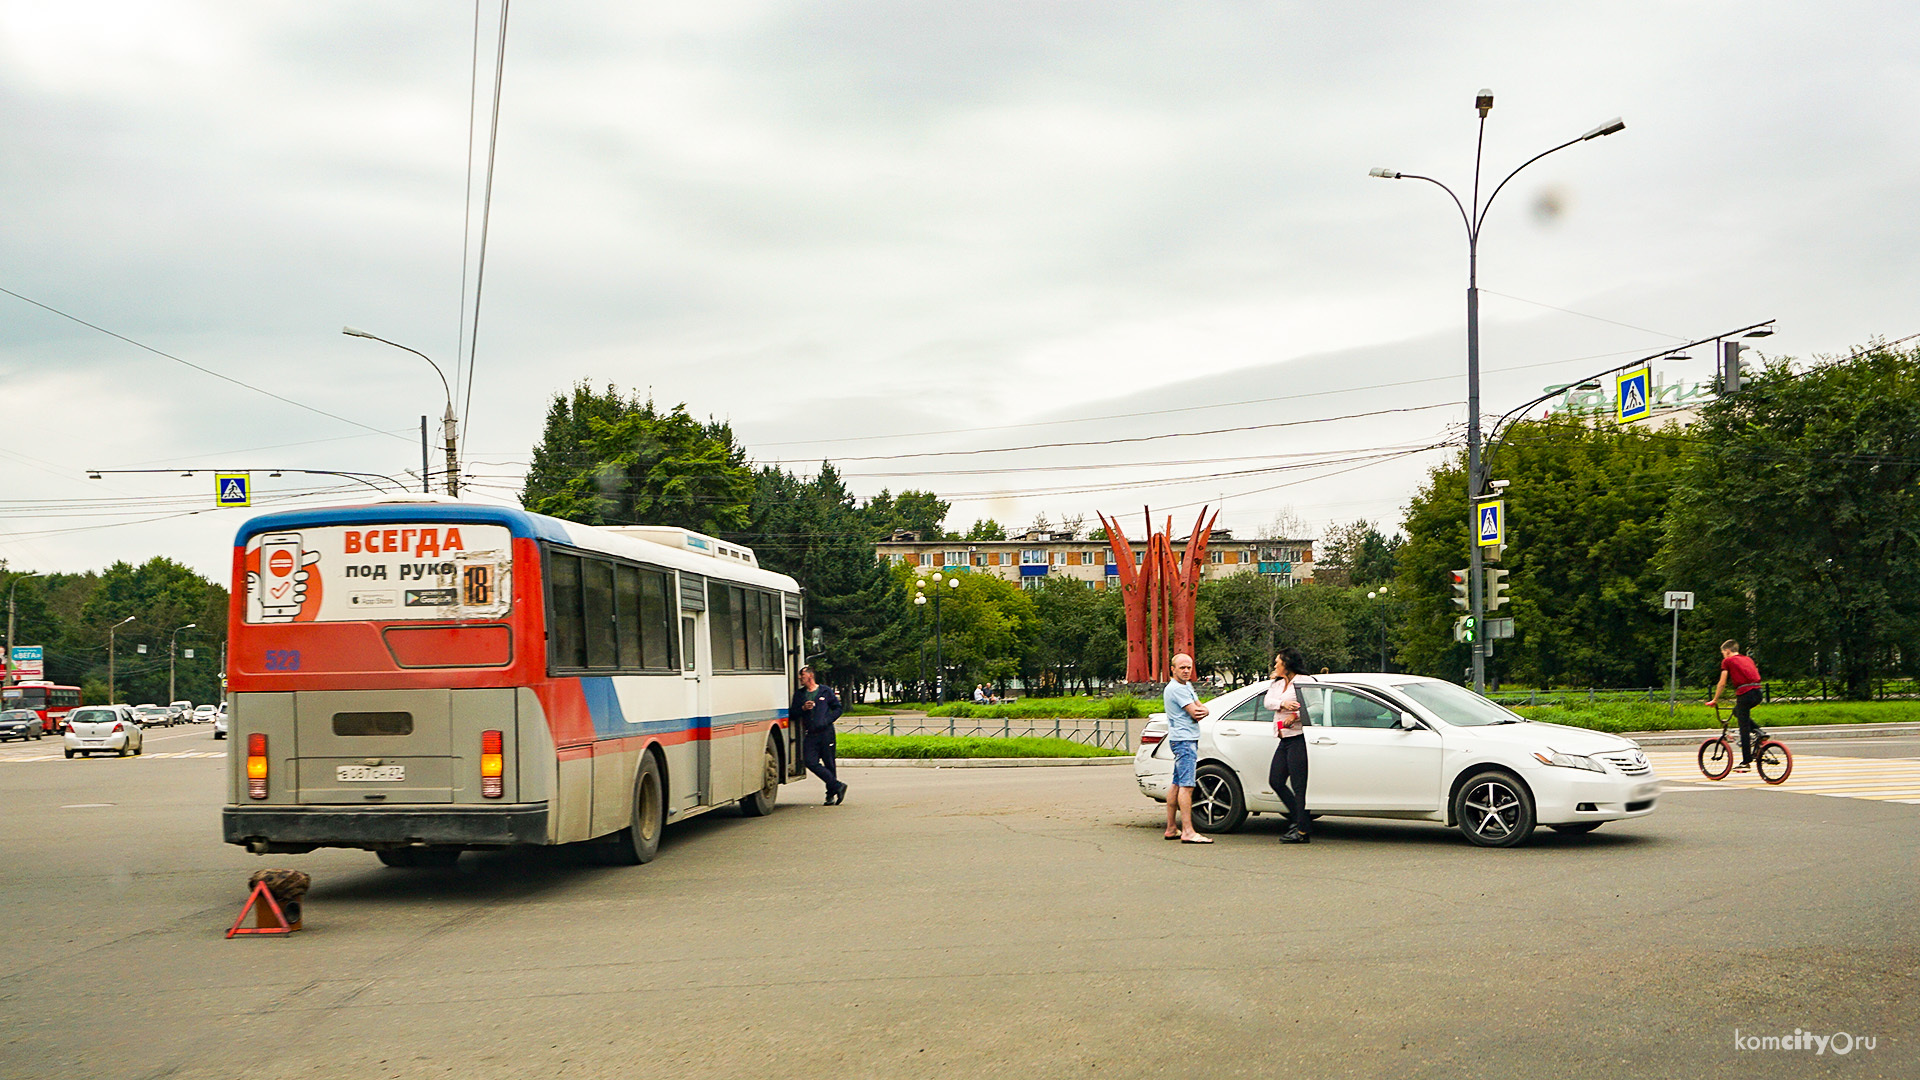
{"x":1567,"y":761}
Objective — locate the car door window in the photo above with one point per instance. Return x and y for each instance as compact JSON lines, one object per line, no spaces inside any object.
{"x":1248,"y":711}
{"x":1315,"y":699}
{"x":1347,"y":709}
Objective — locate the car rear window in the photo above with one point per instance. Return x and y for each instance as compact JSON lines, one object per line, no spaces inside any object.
{"x":91,"y":716}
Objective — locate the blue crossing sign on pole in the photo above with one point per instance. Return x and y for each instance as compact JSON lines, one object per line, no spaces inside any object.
{"x":232,"y":489}
{"x":1633,"y":397}
{"x":1493,"y":523}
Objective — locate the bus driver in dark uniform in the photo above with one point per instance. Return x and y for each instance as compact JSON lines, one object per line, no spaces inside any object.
{"x":815,"y":708}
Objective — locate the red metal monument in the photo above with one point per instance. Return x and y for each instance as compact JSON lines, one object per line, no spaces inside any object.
{"x":1158,"y":594}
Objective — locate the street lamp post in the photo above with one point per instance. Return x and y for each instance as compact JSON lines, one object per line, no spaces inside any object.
{"x":171,"y":640}
{"x":939,"y":656}
{"x":111,"y":631}
{"x":1381,"y":595}
{"x":1476,"y":479}
{"x":447,"y":423}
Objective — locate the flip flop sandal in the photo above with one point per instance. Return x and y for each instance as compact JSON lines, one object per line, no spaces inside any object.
{"x":1197,"y":840}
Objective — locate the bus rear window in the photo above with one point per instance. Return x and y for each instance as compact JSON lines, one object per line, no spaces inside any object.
{"x":386,"y":572}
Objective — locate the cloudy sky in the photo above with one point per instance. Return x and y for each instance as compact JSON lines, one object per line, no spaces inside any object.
{"x":863,"y":231}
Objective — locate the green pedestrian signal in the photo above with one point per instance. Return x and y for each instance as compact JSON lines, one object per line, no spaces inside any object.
{"x":1466,"y":629}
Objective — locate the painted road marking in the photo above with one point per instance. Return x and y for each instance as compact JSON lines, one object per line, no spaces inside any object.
{"x":1881,"y":779}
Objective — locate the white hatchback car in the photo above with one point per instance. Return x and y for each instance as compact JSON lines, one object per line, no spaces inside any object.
{"x":1402,"y":746}
{"x":103,"y":729}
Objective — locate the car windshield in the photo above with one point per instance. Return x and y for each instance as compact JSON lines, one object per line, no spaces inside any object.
{"x":1457,"y":705}
{"x":19,"y":714}
{"x":91,"y":716}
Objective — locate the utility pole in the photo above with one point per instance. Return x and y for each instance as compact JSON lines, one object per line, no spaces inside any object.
{"x":6,"y":658}
{"x":111,"y":631}
{"x":453,"y":463}
{"x":171,"y":640}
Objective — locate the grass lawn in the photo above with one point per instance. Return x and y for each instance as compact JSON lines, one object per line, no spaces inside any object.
{"x":868,"y":710}
{"x":1121,"y":706}
{"x":1652,"y":716}
{"x":943,"y":746}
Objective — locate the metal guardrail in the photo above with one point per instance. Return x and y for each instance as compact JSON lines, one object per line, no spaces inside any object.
{"x":1108,"y":734}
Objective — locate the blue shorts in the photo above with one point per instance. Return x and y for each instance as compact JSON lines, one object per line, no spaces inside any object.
{"x":1185,"y":753}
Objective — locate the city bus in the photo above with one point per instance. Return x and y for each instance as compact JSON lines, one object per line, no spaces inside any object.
{"x":422,"y":675}
{"x":50,"y":700}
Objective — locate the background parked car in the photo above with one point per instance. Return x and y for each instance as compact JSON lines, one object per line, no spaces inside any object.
{"x":22,"y":724}
{"x":182,"y":711}
{"x":103,"y":729}
{"x":220,"y":722}
{"x":151,"y":715}
{"x":204,"y":714}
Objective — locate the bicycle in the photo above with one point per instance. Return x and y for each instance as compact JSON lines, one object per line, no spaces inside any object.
{"x":1771,"y":758}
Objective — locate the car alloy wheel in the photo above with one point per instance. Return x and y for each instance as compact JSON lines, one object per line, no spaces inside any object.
{"x":1218,"y":805}
{"x":1494,"y":810}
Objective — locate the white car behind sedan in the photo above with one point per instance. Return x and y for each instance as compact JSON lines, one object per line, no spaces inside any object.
{"x":1402,"y":746}
{"x":103,"y":729}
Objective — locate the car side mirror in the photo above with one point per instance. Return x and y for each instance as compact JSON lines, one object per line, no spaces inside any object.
{"x":1408,"y":723}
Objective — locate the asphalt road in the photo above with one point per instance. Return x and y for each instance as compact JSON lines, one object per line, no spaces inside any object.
{"x":978,"y":923}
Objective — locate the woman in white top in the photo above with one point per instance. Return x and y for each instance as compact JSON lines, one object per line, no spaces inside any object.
{"x":1290,"y":757}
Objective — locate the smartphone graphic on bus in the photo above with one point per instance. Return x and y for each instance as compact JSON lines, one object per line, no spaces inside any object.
{"x":281,"y":593}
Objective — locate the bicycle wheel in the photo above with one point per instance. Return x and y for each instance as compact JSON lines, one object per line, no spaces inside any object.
{"x":1716,"y":758}
{"x":1774,"y":762}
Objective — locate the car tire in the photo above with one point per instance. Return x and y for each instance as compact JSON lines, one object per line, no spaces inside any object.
{"x":218,"y":736}
{"x":1218,"y":804}
{"x":1577,"y":828}
{"x":760,"y":803}
{"x":639,"y":842}
{"x":141,"y":749}
{"x":1494,"y":809}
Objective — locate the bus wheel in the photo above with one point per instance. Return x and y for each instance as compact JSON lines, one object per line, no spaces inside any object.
{"x":640,"y":842}
{"x":760,"y":803}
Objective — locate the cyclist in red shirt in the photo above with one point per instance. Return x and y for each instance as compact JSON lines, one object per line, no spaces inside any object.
{"x":1745,"y":675}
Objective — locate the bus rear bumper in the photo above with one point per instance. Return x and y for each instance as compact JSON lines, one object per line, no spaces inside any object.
{"x":295,"y":829}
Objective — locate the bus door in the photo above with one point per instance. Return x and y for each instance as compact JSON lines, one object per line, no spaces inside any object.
{"x":796,"y":767}
{"x":696,"y":663}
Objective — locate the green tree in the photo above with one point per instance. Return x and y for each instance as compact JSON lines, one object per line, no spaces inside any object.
{"x":161,"y":595}
{"x":1359,"y":553}
{"x":1079,"y":637}
{"x":986,"y":529}
{"x":607,"y":461}
{"x":1243,"y":620}
{"x":986,"y":627}
{"x":1797,"y":521}
{"x":1585,"y":513}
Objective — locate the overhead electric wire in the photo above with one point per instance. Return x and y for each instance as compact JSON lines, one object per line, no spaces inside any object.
{"x":969,"y":496}
{"x":466,"y":215}
{"x":1128,"y":439}
{"x":486,"y":213}
{"x":1584,"y":315}
{"x":194,"y":366}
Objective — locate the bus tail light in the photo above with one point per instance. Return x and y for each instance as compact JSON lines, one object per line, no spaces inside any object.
{"x":256,"y":766}
{"x":493,"y":765}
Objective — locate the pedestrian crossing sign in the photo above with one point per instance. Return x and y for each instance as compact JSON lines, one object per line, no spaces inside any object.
{"x":1493,"y":523}
{"x":232,"y":489}
{"x":1632,"y":399}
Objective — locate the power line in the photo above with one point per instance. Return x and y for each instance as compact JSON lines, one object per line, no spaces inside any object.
{"x":466,"y":216}
{"x":1130,"y":439}
{"x":194,"y":366}
{"x":486,"y":211}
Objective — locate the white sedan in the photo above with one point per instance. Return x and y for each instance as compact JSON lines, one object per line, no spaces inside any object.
{"x":103,"y":729}
{"x":1402,"y":746}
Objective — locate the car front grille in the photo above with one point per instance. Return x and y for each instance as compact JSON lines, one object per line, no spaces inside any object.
{"x":1629,"y":762}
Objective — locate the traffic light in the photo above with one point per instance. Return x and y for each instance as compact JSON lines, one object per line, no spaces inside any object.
{"x":1466,"y":629}
{"x":1496,"y":588}
{"x":1460,"y":590}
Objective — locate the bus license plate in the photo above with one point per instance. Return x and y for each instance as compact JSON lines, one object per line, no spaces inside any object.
{"x":376,"y":773}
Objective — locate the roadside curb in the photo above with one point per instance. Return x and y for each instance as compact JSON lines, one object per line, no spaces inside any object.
{"x":979,"y":763}
{"x":1784,"y":733}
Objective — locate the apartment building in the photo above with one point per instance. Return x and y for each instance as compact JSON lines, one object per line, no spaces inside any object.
{"x":1035,"y":556}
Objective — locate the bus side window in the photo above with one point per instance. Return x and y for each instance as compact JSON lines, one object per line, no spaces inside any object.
{"x":596,"y":590}
{"x":627,"y":613}
{"x":656,"y":623}
{"x":569,"y":646}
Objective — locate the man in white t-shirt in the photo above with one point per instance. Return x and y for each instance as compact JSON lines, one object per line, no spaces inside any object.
{"x":1184,"y":713}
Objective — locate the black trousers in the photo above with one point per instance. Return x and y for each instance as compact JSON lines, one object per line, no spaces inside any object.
{"x":1749,"y":731}
{"x":1290,"y":763}
{"x":817,"y":753}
